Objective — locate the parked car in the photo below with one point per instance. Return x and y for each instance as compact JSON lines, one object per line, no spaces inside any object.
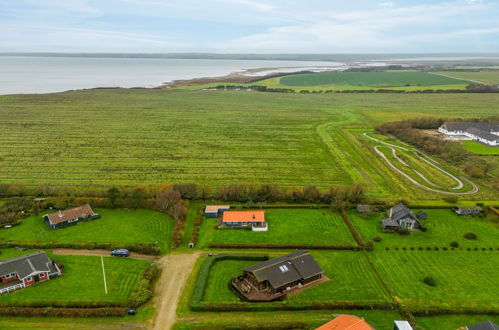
{"x":120,"y":253}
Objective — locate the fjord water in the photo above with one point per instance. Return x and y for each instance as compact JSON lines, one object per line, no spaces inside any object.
{"x":30,"y":74}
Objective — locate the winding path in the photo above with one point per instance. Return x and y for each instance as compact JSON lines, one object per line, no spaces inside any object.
{"x":417,"y":154}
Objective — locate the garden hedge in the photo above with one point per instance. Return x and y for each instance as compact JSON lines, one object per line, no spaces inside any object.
{"x":63,"y":312}
{"x":138,"y":248}
{"x":281,"y":246}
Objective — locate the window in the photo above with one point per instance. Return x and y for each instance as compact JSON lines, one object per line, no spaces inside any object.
{"x":29,"y":279}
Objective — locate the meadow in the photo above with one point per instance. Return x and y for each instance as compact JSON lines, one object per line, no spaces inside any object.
{"x":114,"y":226}
{"x":484,"y":77}
{"x":369,"y":79}
{"x":82,"y":281}
{"x":286,"y":226}
{"x":464,"y":279}
{"x":452,"y":321}
{"x":208,"y":137}
{"x":480,"y":149}
{"x":351,"y":279}
{"x":443,"y":227}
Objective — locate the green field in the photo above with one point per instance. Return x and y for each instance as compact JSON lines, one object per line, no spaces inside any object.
{"x":114,"y":226}
{"x":443,"y":227}
{"x":153,"y":136}
{"x":452,"y":321}
{"x":351,"y":279}
{"x":368,"y":79}
{"x":480,"y":149}
{"x":286,"y":226}
{"x":484,"y":77}
{"x":82,"y":281}
{"x":464,"y":278}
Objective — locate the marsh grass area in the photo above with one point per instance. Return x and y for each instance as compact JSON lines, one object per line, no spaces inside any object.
{"x":114,"y":226}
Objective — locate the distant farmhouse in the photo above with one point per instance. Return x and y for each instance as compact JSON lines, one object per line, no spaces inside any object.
{"x":279,"y":277}
{"x":70,"y":217}
{"x":214,"y":211}
{"x":20,"y":272}
{"x":344,"y":322}
{"x":468,"y":210}
{"x":399,"y":217}
{"x":255,"y":219}
{"x":486,"y":133}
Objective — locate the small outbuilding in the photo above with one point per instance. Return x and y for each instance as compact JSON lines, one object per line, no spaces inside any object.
{"x":421,"y":215}
{"x":402,"y":325}
{"x":364,"y":209}
{"x":214,"y":211}
{"x":468,"y":210}
{"x":70,"y":217}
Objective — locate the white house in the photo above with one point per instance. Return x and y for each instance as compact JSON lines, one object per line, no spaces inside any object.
{"x":486,"y":133}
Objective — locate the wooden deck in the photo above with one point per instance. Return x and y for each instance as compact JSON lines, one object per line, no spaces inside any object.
{"x":250,"y":293}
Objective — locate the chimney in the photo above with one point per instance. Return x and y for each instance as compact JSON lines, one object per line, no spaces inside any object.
{"x":253,"y":215}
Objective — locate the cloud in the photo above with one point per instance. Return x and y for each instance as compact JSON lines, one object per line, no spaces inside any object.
{"x":251,"y":4}
{"x":387,"y":4}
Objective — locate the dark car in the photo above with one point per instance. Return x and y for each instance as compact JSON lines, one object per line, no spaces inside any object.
{"x":120,"y":253}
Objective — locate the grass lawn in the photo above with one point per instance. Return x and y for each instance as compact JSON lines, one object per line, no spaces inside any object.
{"x":286,"y":226}
{"x":463,"y":278}
{"x":371,"y":79}
{"x":480,"y":149}
{"x":114,"y":226}
{"x":452,"y":321}
{"x":82,"y":281}
{"x":443,"y":227}
{"x":486,"y":77}
{"x":351,"y":279}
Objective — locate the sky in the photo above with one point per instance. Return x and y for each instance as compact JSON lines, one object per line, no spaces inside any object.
{"x":249,"y":26}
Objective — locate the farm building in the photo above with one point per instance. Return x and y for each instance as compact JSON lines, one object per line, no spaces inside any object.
{"x":486,"y":133}
{"x":255,"y":219}
{"x":279,"y":277}
{"x":487,"y":325}
{"x":468,"y":210}
{"x":214,"y":211}
{"x":344,"y":322}
{"x":400,"y":216}
{"x":20,"y":272}
{"x":70,"y":217}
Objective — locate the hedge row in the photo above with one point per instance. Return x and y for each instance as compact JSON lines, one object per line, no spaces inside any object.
{"x":281,"y":246}
{"x":286,"y":306}
{"x":466,"y":311}
{"x":143,"y":291}
{"x":204,"y":273}
{"x":138,"y":248}
{"x":198,"y":220}
{"x":63,"y":312}
{"x":59,"y":304}
{"x":352,"y":229}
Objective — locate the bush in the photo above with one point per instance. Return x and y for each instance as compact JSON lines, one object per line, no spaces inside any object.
{"x":377,"y":239}
{"x":429,"y":281}
{"x":454,"y":244}
{"x":279,"y":246}
{"x":403,"y":231}
{"x":470,"y":236}
{"x":143,"y":292}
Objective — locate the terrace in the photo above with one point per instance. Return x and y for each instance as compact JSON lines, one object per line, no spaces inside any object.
{"x":10,"y":286}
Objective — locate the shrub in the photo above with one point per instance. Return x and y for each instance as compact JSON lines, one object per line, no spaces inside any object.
{"x":403,"y":231}
{"x":429,"y":281}
{"x":454,"y":244}
{"x":451,"y":199}
{"x":445,"y":248}
{"x":377,"y":239}
{"x":470,"y":236}
{"x":436,"y":248}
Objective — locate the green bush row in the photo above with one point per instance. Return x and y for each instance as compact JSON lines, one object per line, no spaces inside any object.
{"x":352,"y":229}
{"x":63,"y":312}
{"x":60,"y":304}
{"x":286,"y":306}
{"x":138,"y":248}
{"x":143,"y":291}
{"x":467,"y":311}
{"x":281,"y":246}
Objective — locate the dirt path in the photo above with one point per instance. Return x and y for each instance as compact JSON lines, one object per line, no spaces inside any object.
{"x":176,"y":268}
{"x":101,"y":253}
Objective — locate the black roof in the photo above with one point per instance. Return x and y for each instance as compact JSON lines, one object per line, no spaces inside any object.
{"x":487,"y":325}
{"x":482,"y":134}
{"x":286,"y":269}
{"x":463,"y":126}
{"x":400,"y":211}
{"x":27,"y":264}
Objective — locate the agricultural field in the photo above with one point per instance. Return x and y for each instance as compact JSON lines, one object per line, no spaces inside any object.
{"x":480,"y":149}
{"x":286,"y":226}
{"x":82,"y":281}
{"x":153,"y":136}
{"x":483,"y":77}
{"x":464,"y":279}
{"x":351,"y":279}
{"x":443,"y":227}
{"x":369,"y":79}
{"x":453,"y":321}
{"x":114,"y":226}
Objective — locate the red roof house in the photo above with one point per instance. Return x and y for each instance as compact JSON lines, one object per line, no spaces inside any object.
{"x":346,"y":322}
{"x":255,"y":219}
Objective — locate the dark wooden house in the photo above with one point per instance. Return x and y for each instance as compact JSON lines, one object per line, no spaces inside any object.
{"x":279,"y":277}
{"x":70,"y":217}
{"x":399,"y":217}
